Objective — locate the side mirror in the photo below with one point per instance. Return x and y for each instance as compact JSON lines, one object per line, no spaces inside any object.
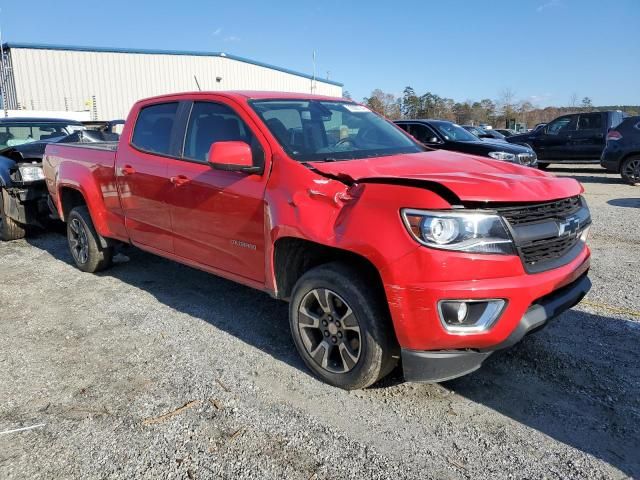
{"x":232,"y":157}
{"x":433,"y":140}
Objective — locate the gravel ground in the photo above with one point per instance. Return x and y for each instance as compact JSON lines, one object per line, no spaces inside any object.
{"x":155,"y":370}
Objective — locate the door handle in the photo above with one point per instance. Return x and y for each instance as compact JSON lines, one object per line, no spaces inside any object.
{"x":179,"y":180}
{"x":127,"y":170}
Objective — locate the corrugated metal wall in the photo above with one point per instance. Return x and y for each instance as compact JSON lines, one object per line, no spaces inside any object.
{"x":73,"y":80}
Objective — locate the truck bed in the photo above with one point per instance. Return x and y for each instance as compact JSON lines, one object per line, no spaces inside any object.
{"x":88,"y":168}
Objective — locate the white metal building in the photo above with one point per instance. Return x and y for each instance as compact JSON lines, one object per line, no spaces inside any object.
{"x":107,"y":81}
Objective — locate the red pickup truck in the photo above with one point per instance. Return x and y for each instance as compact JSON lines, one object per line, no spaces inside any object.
{"x":387,"y":251}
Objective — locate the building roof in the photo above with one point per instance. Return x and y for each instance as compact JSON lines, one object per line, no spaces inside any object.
{"x":247,"y":95}
{"x":78,"y":48}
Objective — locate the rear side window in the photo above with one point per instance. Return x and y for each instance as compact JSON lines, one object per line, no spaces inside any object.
{"x":152,"y":132}
{"x":213,"y":122}
{"x":590,"y":121}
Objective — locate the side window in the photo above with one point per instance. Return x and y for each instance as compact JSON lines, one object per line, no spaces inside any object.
{"x":213,"y":122}
{"x":590,"y":121}
{"x":286,"y":126}
{"x":152,"y":132}
{"x":559,"y":126}
{"x":422,"y":133}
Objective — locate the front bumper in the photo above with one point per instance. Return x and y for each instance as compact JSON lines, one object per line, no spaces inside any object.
{"x":439,"y":366}
{"x":27,"y":203}
{"x":611,"y":159}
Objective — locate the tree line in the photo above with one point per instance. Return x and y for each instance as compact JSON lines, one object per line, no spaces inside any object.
{"x":497,"y":112}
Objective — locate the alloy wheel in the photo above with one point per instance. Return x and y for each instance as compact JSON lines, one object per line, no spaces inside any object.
{"x":632,"y":170}
{"x":78,"y":241}
{"x":329,"y":330}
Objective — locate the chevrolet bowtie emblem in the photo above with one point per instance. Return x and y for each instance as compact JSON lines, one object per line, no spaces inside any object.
{"x":569,"y":226}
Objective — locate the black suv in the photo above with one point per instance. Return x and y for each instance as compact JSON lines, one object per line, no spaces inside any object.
{"x":622,"y":152}
{"x":444,"y":135}
{"x":575,"y":138}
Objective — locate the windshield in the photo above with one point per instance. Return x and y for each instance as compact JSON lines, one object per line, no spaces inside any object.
{"x":454,"y":133}
{"x":314,"y":130}
{"x":13,"y":134}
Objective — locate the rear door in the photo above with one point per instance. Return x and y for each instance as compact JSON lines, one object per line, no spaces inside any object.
{"x":589,"y":138}
{"x":142,"y":176}
{"x":218,"y":216}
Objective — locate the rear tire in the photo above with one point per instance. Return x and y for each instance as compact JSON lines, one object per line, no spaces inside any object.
{"x":9,"y":228}
{"x":84,"y":242}
{"x":630,"y":170}
{"x":543,"y":166}
{"x":341,"y":328}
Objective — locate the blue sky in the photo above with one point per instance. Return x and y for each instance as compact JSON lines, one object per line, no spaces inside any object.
{"x":544,"y":50}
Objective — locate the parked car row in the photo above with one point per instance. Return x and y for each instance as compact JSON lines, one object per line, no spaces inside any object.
{"x":388,"y":251}
{"x":444,"y":135}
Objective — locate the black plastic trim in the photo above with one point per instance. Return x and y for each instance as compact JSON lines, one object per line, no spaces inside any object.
{"x":441,"y":365}
{"x":546,"y":309}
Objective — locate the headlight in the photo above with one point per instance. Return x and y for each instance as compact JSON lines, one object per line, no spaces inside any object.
{"x":509,"y":157}
{"x":31,"y":173}
{"x":466,"y":232}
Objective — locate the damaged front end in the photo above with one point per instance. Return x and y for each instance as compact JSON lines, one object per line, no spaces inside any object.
{"x":25,"y":197}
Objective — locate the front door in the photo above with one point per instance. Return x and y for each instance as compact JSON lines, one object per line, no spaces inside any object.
{"x":554,"y":142}
{"x":218,"y":216}
{"x":142,"y":177}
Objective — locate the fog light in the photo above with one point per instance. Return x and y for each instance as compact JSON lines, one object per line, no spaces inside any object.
{"x":469,"y":316}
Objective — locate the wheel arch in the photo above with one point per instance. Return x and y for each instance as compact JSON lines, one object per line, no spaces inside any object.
{"x":626,"y":157}
{"x":293,"y":257}
{"x":70,"y":197}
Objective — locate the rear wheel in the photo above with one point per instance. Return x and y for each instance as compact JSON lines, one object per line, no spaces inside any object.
{"x":84,"y":242}
{"x":630,"y":170}
{"x":341,"y":328}
{"x":9,"y":228}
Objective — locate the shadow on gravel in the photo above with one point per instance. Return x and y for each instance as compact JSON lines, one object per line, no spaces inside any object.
{"x":588,"y":175}
{"x":577,"y":381}
{"x":252,"y":316}
{"x":625,"y":202}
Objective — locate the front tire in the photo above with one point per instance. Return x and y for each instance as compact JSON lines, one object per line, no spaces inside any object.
{"x":9,"y":228}
{"x":341,"y":328}
{"x":630,"y":170}
{"x":84,"y":242}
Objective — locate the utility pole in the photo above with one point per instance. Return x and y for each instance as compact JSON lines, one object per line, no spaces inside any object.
{"x":313,"y":79}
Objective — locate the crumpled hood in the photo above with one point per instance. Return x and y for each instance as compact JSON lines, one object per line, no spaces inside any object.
{"x":470,"y":178}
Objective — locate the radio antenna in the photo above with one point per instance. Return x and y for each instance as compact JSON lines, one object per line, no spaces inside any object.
{"x":197,"y":83}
